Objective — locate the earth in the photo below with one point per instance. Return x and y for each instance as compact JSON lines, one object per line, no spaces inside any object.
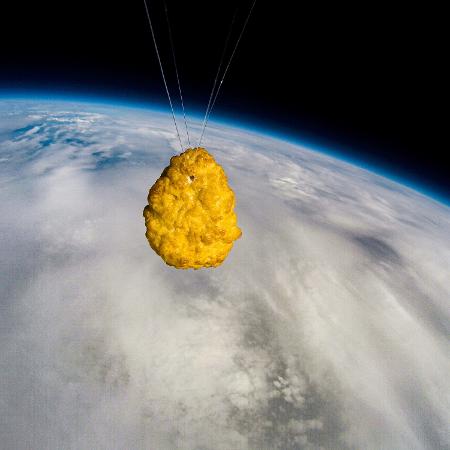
{"x":326,"y":327}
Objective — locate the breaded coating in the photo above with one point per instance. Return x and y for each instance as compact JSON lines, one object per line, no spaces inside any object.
{"x":190,"y":216}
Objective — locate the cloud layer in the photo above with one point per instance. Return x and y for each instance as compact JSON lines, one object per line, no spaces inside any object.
{"x":327,"y":326}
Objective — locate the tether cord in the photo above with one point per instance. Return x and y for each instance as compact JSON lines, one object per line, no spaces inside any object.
{"x":172,"y":46}
{"x":222,"y":57}
{"x":225,"y":72}
{"x":162,"y":72}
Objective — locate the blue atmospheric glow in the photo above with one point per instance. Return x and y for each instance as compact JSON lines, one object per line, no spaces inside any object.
{"x":248,"y":126}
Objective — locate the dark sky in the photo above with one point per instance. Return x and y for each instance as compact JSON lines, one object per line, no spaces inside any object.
{"x":366,"y":80}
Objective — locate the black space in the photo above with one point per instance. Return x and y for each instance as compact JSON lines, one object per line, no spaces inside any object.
{"x":364,"y":79}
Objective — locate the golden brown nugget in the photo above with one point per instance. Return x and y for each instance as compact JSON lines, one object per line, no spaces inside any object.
{"x":190,"y":216}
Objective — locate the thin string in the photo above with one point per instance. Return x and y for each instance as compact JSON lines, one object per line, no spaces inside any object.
{"x":162,"y":72}
{"x":205,"y":122}
{"x":225,"y":72}
{"x":172,"y":46}
{"x":222,"y":57}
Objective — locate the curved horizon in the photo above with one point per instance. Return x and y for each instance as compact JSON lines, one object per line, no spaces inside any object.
{"x":316,"y":145}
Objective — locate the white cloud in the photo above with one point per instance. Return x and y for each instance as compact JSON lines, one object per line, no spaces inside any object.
{"x":325,"y":327}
